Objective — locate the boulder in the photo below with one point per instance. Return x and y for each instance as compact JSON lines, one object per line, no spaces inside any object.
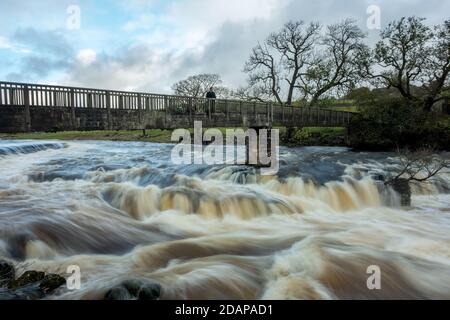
{"x":134,"y":289}
{"x":118,"y":293}
{"x":402,"y":187}
{"x":51,"y":282}
{"x":27,"y":278}
{"x":31,"y":285}
{"x":149,"y":291}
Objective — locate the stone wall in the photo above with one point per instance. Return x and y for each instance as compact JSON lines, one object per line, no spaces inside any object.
{"x":44,"y":119}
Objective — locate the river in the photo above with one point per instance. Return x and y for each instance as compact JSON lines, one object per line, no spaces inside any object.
{"x":121,"y":210}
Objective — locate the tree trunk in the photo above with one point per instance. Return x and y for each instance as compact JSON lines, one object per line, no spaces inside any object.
{"x":428,"y":104}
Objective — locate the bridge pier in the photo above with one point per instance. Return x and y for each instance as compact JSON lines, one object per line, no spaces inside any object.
{"x":26,"y":94}
{"x":253,"y":150}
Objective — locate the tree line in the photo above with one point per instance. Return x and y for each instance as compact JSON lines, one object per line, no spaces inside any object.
{"x":306,"y":62}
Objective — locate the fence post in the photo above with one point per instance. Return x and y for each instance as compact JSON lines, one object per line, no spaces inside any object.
{"x":108,"y":110}
{"x":227,"y":116}
{"x":209,"y":109}
{"x":271,"y":113}
{"x":26,"y":98}
{"x":72,"y":109}
{"x":89,"y":98}
{"x":292,"y":114}
{"x":139,"y":105}
{"x":166,"y":106}
{"x":190,"y":106}
{"x":120,"y":101}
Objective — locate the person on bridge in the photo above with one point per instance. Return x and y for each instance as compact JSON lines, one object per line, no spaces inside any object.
{"x":211,"y":95}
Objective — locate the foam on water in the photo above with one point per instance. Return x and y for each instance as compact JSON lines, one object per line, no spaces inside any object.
{"x":121,"y":210}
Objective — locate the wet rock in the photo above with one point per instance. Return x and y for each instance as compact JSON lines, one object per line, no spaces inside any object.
{"x":51,"y":282}
{"x":133,"y":286}
{"x":31,"y":285}
{"x":118,"y":293}
{"x":402,"y":187}
{"x":29,"y":277}
{"x":151,"y":291}
{"x":135,"y":289}
{"x":7,"y":272}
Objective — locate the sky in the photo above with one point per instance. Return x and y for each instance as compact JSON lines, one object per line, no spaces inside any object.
{"x":147,"y":45}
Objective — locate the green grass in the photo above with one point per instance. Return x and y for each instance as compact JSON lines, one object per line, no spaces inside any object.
{"x":151,"y":135}
{"x":349,"y":108}
{"x":154,"y":135}
{"x":325,"y":130}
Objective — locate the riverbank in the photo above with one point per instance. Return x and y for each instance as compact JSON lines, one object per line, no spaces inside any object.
{"x":299,"y":137}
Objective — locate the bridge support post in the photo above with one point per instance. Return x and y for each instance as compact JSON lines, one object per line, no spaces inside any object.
{"x":139,"y":105}
{"x":73,"y":120}
{"x":108,"y":110}
{"x":26,"y":98}
{"x":252,"y":149}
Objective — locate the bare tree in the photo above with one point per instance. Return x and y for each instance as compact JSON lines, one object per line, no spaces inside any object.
{"x":250,"y":93}
{"x":198,"y":85}
{"x":411,"y":58}
{"x":335,"y":67}
{"x":282,"y":60}
{"x":419,"y":166}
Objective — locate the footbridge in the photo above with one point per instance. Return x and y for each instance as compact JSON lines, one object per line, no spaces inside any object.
{"x":28,"y":107}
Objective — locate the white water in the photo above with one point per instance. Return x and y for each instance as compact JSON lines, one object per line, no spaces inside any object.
{"x":120,"y":210}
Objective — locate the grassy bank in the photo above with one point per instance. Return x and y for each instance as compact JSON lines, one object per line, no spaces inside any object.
{"x":300,"y":137}
{"x":162,"y":136}
{"x":314,"y":136}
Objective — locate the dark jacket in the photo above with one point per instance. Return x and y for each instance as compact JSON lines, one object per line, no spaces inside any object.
{"x":211,"y":95}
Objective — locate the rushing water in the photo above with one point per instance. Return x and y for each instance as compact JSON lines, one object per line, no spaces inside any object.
{"x":121,"y":210}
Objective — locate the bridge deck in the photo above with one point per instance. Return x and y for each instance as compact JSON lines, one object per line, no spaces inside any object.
{"x":36,"y":107}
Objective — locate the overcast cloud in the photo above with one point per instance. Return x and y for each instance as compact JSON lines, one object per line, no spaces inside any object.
{"x":149,"y":44}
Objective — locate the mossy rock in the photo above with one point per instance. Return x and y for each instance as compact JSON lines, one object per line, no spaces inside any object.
{"x":51,"y":282}
{"x":27,"y":278}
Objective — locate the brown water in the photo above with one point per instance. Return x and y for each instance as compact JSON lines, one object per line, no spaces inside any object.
{"x":120,"y":210}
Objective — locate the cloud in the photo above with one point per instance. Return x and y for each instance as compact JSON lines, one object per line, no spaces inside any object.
{"x":86,"y":56}
{"x":47,"y":51}
{"x":137,"y":67}
{"x":4,"y":43}
{"x":151,"y":44}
